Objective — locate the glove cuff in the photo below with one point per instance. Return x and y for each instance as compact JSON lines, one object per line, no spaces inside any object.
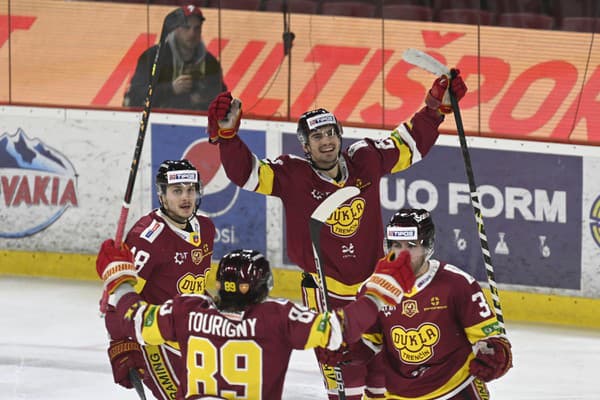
{"x":122,"y":347}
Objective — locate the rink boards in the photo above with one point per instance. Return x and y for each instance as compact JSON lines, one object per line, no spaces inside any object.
{"x":63,"y":173}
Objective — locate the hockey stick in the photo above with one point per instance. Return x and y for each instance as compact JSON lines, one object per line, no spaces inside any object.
{"x":136,"y":381}
{"x":317,"y":220}
{"x":172,"y":20}
{"x":428,"y":63}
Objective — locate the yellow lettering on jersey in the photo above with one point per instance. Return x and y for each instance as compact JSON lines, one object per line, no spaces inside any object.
{"x":415,"y":346}
{"x":191,"y":284}
{"x":344,"y":221}
{"x":161,"y":371}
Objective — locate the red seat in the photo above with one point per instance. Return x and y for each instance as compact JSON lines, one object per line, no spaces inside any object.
{"x":574,"y":8}
{"x":407,"y":12}
{"x":466,"y":16}
{"x":294,"y":6}
{"x":235,"y":4}
{"x":409,"y":2}
{"x":526,"y":20}
{"x":581,"y":24}
{"x":349,"y":8}
{"x":517,"y":6}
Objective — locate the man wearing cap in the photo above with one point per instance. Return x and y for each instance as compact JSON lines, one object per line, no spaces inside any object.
{"x":189,"y":76}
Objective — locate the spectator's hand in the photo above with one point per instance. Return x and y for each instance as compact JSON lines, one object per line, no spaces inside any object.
{"x":224,"y":117}
{"x":393,"y":276}
{"x":182,"y":84}
{"x":114,"y":266}
{"x":333,"y":358}
{"x":493,"y":358}
{"x":438,"y":97}
{"x":125,"y":355}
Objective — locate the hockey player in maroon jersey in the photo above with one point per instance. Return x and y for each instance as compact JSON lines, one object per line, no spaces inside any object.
{"x":172,"y":248}
{"x":239,"y":346}
{"x":352,"y":242}
{"x":442,"y":341}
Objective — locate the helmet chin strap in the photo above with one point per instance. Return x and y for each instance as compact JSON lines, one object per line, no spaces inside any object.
{"x":176,"y":219}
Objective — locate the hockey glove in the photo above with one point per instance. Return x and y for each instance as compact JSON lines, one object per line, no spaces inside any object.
{"x":224,"y":117}
{"x":493,"y":358}
{"x":333,"y":358}
{"x":114,"y":265}
{"x":438,"y":97}
{"x":125,"y":355}
{"x":391,"y":278}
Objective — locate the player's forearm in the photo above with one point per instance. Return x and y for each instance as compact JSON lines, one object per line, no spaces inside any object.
{"x":359,"y":316}
{"x":120,"y":317}
{"x":423,"y":128}
{"x":237,"y":160}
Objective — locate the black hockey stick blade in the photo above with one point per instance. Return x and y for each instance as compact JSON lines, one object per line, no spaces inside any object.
{"x":136,"y":381}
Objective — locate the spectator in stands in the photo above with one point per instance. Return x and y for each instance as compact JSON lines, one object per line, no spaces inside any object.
{"x":189,"y":76}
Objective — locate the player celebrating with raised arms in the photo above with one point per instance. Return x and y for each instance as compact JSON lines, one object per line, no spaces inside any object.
{"x":442,"y":341}
{"x":239,"y":345}
{"x":351,"y":243}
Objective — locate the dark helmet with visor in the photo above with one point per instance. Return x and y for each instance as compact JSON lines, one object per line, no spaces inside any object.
{"x":413,"y":225}
{"x":310,"y":121}
{"x":172,"y":172}
{"x":243,"y":278}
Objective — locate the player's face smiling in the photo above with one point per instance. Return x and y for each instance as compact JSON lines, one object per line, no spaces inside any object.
{"x":324,"y":147}
{"x":180,"y":200}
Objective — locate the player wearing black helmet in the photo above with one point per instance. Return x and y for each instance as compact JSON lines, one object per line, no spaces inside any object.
{"x":351,"y":245}
{"x":172,"y":247}
{"x":456,"y":343}
{"x":239,"y":345}
{"x":179,"y":190}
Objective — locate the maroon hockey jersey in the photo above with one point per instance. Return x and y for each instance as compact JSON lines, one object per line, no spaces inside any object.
{"x":428,"y":338}
{"x":169,"y":260}
{"x":352,"y":242}
{"x":241,"y":355}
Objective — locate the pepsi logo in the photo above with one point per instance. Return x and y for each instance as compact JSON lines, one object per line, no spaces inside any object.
{"x":219,"y":194}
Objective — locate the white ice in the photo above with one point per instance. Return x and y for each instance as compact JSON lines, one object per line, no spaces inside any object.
{"x":53,"y":346}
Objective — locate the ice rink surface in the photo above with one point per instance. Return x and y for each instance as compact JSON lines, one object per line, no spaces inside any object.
{"x":53,"y":346}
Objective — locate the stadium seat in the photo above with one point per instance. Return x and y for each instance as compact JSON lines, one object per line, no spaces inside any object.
{"x":349,"y":8}
{"x":468,"y":16}
{"x":424,"y":3}
{"x":407,"y":12}
{"x":235,"y":4}
{"x":517,"y":6}
{"x":574,"y":8}
{"x":294,"y":6}
{"x":581,"y":24}
{"x":526,"y":20}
